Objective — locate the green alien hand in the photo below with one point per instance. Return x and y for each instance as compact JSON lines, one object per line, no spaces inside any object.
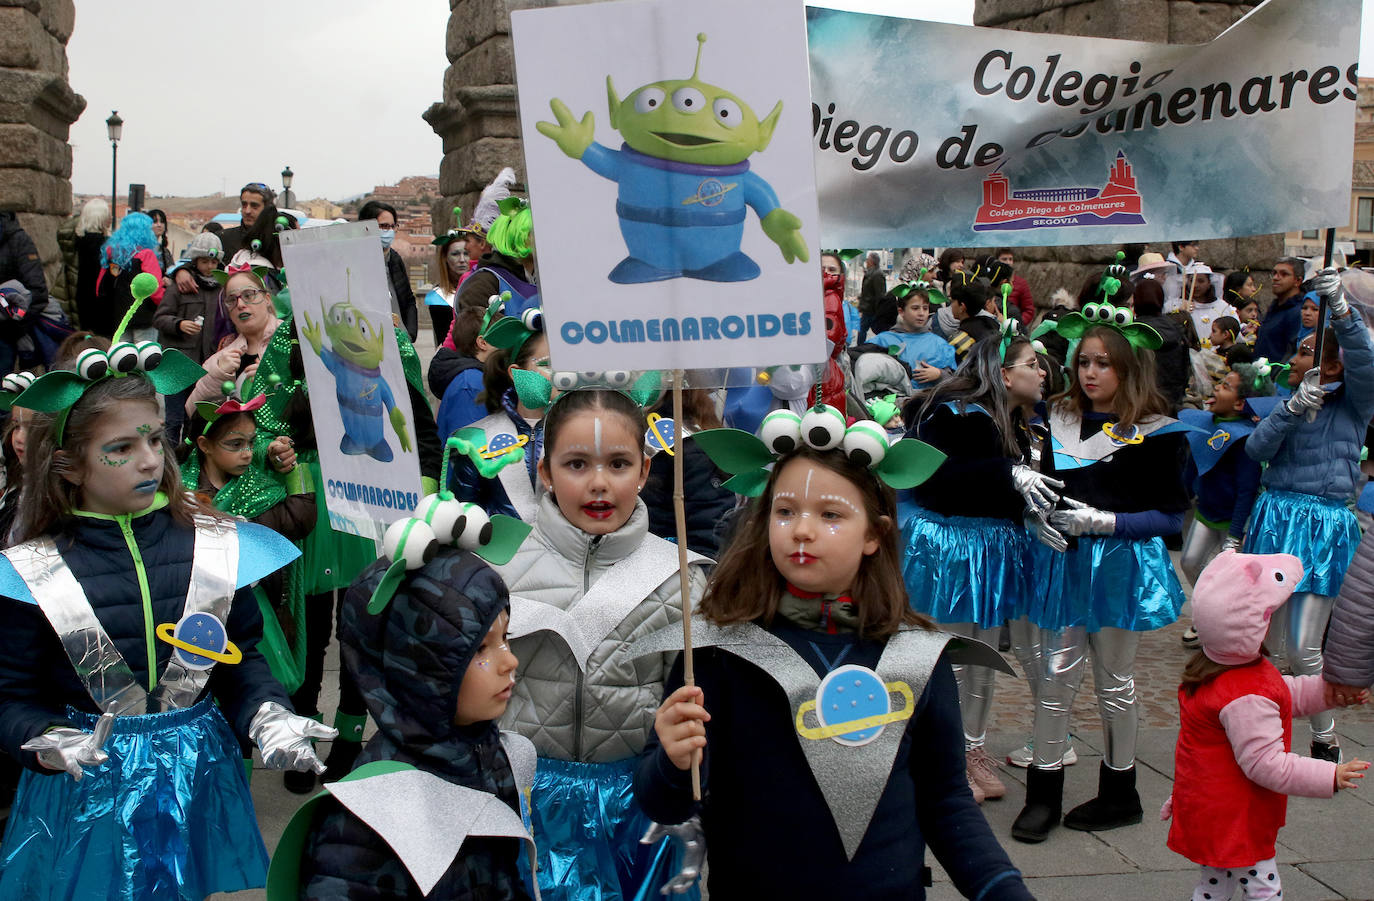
{"x":784,"y":230}
{"x":398,"y":422}
{"x":312,"y":332}
{"x":572,"y":137}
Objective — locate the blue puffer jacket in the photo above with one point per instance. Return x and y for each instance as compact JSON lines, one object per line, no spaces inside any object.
{"x":37,"y":681}
{"x":1349,"y":653}
{"x":1322,"y":458}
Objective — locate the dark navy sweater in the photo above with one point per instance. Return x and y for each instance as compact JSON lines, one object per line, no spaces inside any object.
{"x":37,"y":681}
{"x":1227,"y":491}
{"x":769,"y":832}
{"x":975,"y":479}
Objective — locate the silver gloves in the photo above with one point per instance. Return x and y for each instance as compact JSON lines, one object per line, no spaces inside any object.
{"x":1327,"y":283}
{"x":1080,"y":519}
{"x":693,"y":852}
{"x":1045,"y":533}
{"x":284,"y":738}
{"x":1309,"y":397}
{"x":1034,"y":487}
{"x":65,"y":748}
{"x":1230,"y":543}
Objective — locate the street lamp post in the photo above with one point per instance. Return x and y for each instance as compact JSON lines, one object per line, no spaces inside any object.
{"x":115,"y":125}
{"x":287,"y":176}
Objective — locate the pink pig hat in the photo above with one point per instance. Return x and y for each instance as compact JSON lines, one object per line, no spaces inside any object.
{"x":1234,"y":598}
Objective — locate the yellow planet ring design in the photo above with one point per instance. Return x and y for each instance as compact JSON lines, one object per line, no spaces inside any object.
{"x":654,"y":420}
{"x":1135,"y":439}
{"x":520,"y":441}
{"x":232,"y":655}
{"x":816,"y":733}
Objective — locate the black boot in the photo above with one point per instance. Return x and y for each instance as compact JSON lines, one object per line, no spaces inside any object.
{"x":1044,"y":804}
{"x":1117,"y":803}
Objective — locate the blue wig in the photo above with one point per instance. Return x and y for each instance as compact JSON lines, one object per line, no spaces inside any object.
{"x":135,"y":233}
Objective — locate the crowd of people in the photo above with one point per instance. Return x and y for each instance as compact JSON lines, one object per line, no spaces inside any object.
{"x":965,"y":467}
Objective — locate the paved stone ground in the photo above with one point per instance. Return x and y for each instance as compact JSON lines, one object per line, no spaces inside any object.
{"x":1325,"y":852}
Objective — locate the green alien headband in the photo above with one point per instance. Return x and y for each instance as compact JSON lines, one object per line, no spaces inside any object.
{"x":169,"y":369}
{"x":749,"y":458}
{"x":1074,"y":325}
{"x":441,"y":518}
{"x":933,"y":294}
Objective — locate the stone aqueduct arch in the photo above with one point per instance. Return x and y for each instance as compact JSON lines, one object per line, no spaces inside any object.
{"x":480,"y":127}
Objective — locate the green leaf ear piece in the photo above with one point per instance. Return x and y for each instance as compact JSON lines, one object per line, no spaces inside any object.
{"x":169,"y":369}
{"x":748,"y":458}
{"x":440,"y":519}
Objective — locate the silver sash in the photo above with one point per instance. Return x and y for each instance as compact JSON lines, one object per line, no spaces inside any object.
{"x":98,"y":663}
{"x":595,"y":615}
{"x":1066,"y":429}
{"x":851,"y":778}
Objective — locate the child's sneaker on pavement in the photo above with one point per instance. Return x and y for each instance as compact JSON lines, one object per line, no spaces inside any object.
{"x":982,"y":771}
{"x":1024,"y":756}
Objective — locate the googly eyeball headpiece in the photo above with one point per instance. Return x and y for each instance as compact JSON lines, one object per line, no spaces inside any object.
{"x":16,"y":382}
{"x":533,"y":319}
{"x":823,"y":427}
{"x":92,"y":364}
{"x":865,"y":442}
{"x":781,"y":431}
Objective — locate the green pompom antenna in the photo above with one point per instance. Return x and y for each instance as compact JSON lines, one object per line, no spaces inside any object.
{"x":143,"y":286}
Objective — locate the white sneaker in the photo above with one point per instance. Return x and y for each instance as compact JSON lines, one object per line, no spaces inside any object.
{"x":1025,"y":755}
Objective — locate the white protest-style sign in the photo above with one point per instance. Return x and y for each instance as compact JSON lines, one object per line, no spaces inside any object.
{"x":359,"y":402}
{"x":672,"y":182}
{"x":1015,"y":138}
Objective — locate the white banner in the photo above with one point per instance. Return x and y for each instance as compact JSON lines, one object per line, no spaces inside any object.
{"x":948,"y":135}
{"x":358,"y":396}
{"x":675,"y":219}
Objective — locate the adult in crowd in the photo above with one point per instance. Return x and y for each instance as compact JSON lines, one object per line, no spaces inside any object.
{"x":403,"y":297}
{"x":870,"y":294}
{"x":187,"y":321}
{"x":131,"y":250}
{"x":1172,"y":363}
{"x":19,"y":262}
{"x":1200,"y":301}
{"x":1348,"y":663}
{"x":91,"y":232}
{"x":164,"y":251}
{"x":1181,"y":258}
{"x":1021,"y":297}
{"x":254,"y":198}
{"x":1278,"y":331}
{"x":509,"y":265}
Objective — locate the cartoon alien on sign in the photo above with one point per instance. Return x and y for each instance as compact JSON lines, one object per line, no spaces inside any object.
{"x":684,"y":179}
{"x":355,"y":362}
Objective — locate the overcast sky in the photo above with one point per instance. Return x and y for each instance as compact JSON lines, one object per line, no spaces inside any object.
{"x":333,"y":88}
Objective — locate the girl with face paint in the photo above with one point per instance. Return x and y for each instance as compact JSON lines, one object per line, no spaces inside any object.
{"x":588,"y":580}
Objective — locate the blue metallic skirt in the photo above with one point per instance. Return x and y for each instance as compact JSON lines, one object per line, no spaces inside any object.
{"x":587,"y":827}
{"x":1105,"y":583}
{"x":966,"y":569}
{"x":167,"y":817}
{"x":1322,"y":533}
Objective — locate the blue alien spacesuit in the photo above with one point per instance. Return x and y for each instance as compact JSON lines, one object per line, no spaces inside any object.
{"x":364,"y":397}
{"x":681,"y":219}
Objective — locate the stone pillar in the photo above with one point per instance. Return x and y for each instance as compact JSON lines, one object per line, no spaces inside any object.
{"x":1159,"y":21}
{"x":37,"y":108}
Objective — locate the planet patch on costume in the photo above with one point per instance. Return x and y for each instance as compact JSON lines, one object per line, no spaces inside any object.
{"x":502,"y":444}
{"x":1130,"y":436}
{"x":853,"y":705}
{"x":661,"y":434}
{"x":200,"y":640}
{"x":1218,"y":439}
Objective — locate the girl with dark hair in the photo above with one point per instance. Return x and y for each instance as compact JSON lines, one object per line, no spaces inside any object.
{"x":964,"y":548}
{"x":1120,"y":457}
{"x":111,"y":547}
{"x":589,"y":580}
{"x":805,"y":613}
{"x":164,"y":253}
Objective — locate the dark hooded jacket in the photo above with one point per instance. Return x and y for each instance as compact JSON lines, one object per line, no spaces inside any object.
{"x":409,"y":662}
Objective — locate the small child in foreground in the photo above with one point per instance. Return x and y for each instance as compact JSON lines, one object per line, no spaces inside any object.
{"x":1233,"y":765}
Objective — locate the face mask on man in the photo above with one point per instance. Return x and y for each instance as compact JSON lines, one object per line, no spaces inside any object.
{"x":388,"y":235}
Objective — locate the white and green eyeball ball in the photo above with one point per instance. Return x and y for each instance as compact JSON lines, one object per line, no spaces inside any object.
{"x":617,"y":379}
{"x":473,"y":528}
{"x":823,"y":427}
{"x":124,"y":357}
{"x":16,"y":382}
{"x":411,"y":540}
{"x":780,"y":431}
{"x":149,"y":355}
{"x":1092,"y":311}
{"x":440,"y":515}
{"x":533,"y":319}
{"x":1122,"y":317}
{"x":564,"y":381}
{"x":865,"y":442}
{"x":92,"y":363}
